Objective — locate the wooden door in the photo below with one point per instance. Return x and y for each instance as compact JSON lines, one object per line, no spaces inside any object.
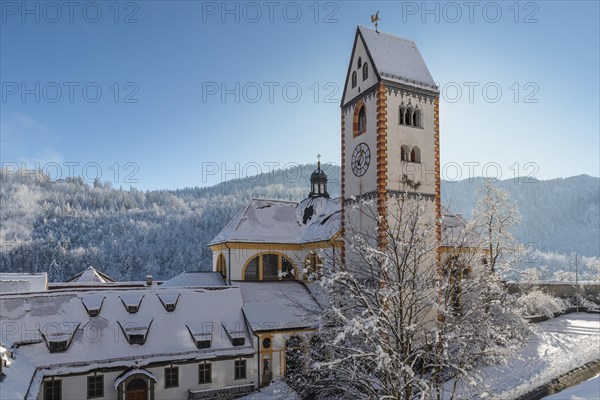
{"x":137,"y":389}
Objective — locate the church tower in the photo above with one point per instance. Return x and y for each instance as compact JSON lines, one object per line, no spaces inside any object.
{"x":390,"y":128}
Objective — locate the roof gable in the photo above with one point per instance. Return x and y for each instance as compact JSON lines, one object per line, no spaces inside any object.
{"x":359,"y":50}
{"x":394,"y":59}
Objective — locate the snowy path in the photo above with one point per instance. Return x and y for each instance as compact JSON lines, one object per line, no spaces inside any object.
{"x":560,"y":345}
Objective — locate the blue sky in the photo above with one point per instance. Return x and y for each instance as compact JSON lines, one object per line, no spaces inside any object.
{"x":134,"y":91}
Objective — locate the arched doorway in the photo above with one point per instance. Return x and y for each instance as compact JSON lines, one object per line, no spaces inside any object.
{"x":136,"y":389}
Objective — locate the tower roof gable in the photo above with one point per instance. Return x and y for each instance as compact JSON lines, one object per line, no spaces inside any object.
{"x":394,"y":59}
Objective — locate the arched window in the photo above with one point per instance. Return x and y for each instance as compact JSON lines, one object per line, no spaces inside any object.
{"x":409,"y":113}
{"x":362,"y":119}
{"x":222,"y":265}
{"x":251,"y":272}
{"x":359,"y":119}
{"x":359,"y":62}
{"x":415,"y":155}
{"x":417,"y":118}
{"x":313,"y":266}
{"x":402,"y":115}
{"x":269,"y":267}
{"x":354,"y":79}
{"x":404,"y":153}
{"x":365,"y":71}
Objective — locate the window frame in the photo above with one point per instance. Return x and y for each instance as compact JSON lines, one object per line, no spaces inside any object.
{"x":53,"y":396}
{"x":91,"y":395}
{"x":169,"y":373}
{"x":238,"y":367}
{"x":365,"y":71}
{"x":204,"y":369}
{"x":258,"y":260}
{"x":353,"y":79}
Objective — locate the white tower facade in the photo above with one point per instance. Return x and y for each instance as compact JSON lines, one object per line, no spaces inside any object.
{"x":390,"y":130}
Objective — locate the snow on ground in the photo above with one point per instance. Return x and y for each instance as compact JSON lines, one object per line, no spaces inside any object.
{"x":277,"y":390}
{"x":558,"y":346}
{"x":588,"y":390}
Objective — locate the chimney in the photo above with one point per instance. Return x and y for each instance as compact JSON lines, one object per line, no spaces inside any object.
{"x":149,"y":280}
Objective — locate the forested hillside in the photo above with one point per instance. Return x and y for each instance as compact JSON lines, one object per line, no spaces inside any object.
{"x":64,"y":226}
{"x":558,"y":215}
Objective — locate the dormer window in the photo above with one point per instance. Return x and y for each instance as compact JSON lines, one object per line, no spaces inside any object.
{"x":169,"y":300}
{"x":57,"y":342}
{"x":136,"y":334}
{"x":202,"y":338}
{"x":365,"y":70}
{"x":354,"y":79}
{"x":136,"y":338}
{"x":58,"y":346}
{"x":237,"y":337}
{"x":93,"y":304}
{"x":132,"y":301}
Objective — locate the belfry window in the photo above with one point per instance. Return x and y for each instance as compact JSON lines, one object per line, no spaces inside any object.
{"x":415,"y":155}
{"x":409,"y":113}
{"x":354,"y":79}
{"x":409,"y":116}
{"x":365,"y":71}
{"x":417,"y":119}
{"x":404,"y":152}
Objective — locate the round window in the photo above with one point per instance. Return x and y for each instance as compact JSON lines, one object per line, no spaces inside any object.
{"x":267,"y":343}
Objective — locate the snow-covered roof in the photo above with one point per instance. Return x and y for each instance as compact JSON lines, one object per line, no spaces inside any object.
{"x":194,"y":279}
{"x":102,"y":341}
{"x":278,"y":305}
{"x":90,"y":275}
{"x":282,"y":222}
{"x":23,"y":283}
{"x":397,"y":59}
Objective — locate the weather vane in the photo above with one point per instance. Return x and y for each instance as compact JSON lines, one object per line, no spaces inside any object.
{"x":375,"y":19}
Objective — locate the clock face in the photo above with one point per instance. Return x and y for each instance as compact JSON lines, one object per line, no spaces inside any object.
{"x":361,"y":159}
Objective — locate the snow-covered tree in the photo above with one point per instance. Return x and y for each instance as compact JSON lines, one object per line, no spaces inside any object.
{"x":403,"y":321}
{"x":495,"y":217}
